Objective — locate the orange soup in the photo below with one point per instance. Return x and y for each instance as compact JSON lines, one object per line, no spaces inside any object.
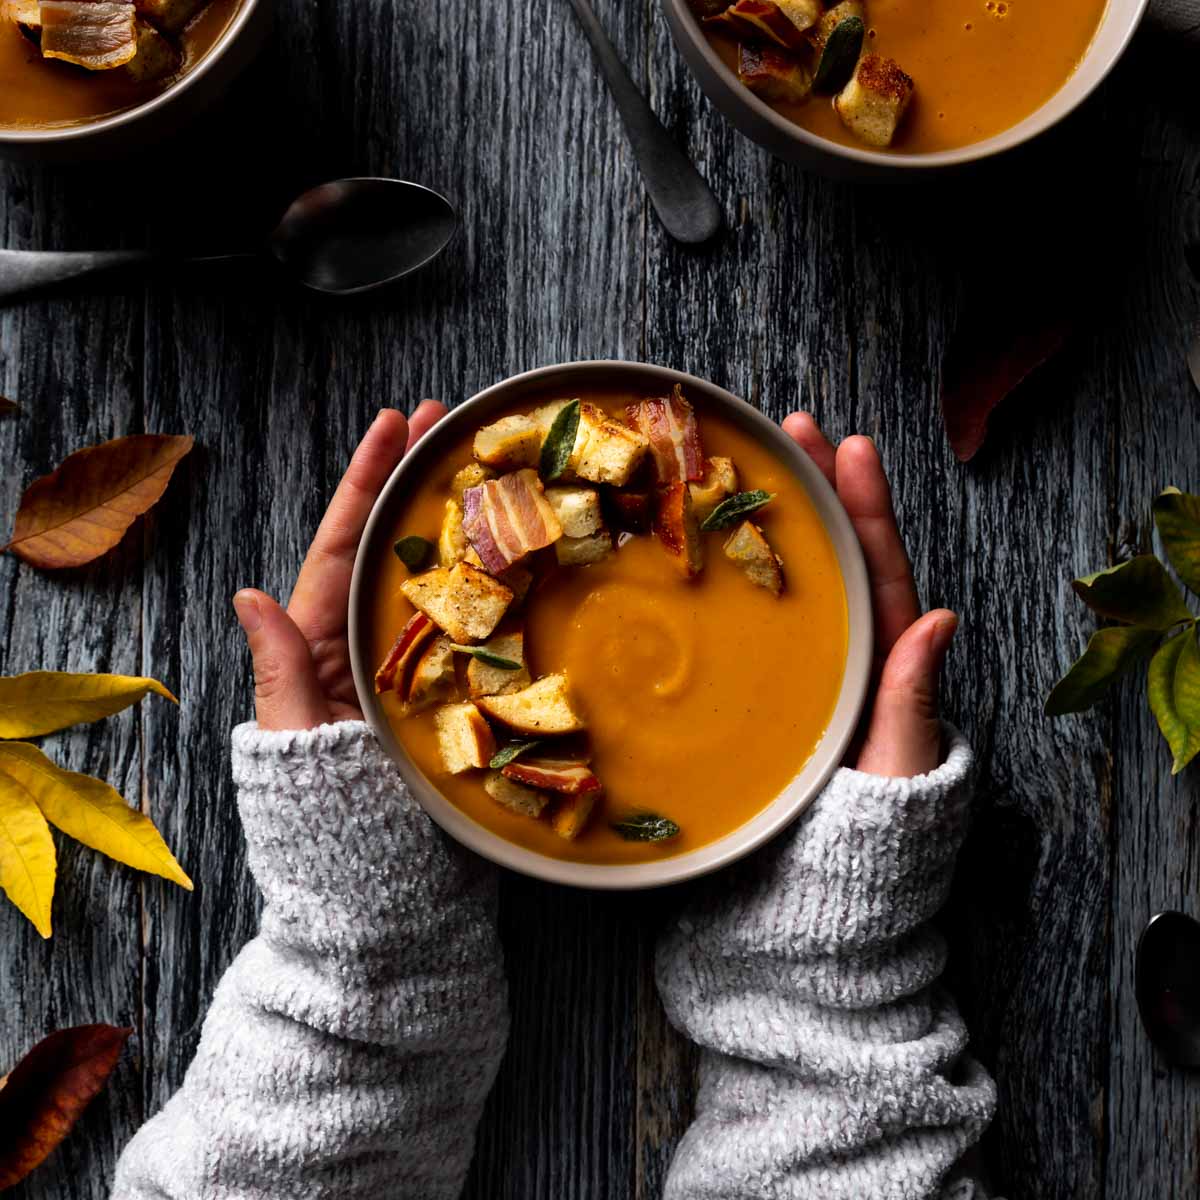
{"x":977,"y":67}
{"x":40,"y":92}
{"x":702,"y":695}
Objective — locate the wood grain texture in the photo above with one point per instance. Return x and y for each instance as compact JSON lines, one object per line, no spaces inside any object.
{"x":819,"y":294}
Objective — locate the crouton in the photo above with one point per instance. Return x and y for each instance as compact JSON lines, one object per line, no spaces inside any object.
{"x":773,"y":74}
{"x":582,"y":551}
{"x":465,"y":740}
{"x":485,"y":680}
{"x":802,"y":13}
{"x":171,"y":16}
{"x":511,"y":442}
{"x":517,"y":579}
{"x":605,"y":450}
{"x":472,"y":475}
{"x":747,"y":547}
{"x":677,"y":528}
{"x":571,"y":814}
{"x":577,"y":509}
{"x":526,"y":801}
{"x":452,"y":541}
{"x":432,"y":678}
{"x":873,"y":102}
{"x":465,"y":602}
{"x":25,"y":14}
{"x":830,"y":19}
{"x":542,"y":708}
{"x":156,"y":57}
{"x":719,"y":483}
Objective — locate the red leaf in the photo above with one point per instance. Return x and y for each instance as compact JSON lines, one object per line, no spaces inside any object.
{"x":47,"y":1091}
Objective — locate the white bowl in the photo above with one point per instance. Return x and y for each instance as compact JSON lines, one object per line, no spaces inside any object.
{"x":570,"y":379}
{"x":762,"y":124}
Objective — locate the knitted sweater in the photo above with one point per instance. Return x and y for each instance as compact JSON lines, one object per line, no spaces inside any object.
{"x":349,"y":1048}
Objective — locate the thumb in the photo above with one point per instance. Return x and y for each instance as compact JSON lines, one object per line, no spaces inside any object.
{"x":904,"y":736}
{"x":286,"y":692}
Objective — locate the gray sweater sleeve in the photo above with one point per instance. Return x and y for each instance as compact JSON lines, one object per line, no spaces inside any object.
{"x":834,"y":1066}
{"x":349,"y":1048}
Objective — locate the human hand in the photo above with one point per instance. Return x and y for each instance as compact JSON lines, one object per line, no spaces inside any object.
{"x":302,"y":674}
{"x":902,"y":735}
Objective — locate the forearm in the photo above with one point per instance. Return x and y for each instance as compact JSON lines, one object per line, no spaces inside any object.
{"x":835,"y":1066}
{"x":349,"y":1048}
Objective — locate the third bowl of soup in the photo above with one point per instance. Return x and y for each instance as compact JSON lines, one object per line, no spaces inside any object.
{"x":612,"y":625}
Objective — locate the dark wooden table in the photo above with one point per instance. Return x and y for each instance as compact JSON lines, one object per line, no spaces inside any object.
{"x":827,"y":295}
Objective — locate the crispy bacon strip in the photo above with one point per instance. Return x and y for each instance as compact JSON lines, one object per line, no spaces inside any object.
{"x":759,"y":19}
{"x":413,"y":638}
{"x":508,"y":518}
{"x":675,"y":524}
{"x":670,"y":424}
{"x":569,"y":776}
{"x":95,"y":34}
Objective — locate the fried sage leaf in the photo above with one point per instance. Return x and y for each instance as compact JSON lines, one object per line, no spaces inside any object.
{"x":511,"y":753}
{"x":46,"y":1092}
{"x":1177,"y":515}
{"x":486,"y":656}
{"x":1111,"y":653}
{"x":1138,"y":592}
{"x":1173,"y":686}
{"x":645,"y":827}
{"x":559,"y":443}
{"x":414,"y":552}
{"x":839,"y":55}
{"x":735,"y":508}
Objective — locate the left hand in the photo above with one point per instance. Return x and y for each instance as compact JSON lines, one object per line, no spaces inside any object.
{"x":302,"y":675}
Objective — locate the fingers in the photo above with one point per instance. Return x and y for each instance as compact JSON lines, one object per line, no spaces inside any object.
{"x":286,"y":692}
{"x":806,"y":433}
{"x":427,"y":414}
{"x":903,"y":733}
{"x":863,"y":490}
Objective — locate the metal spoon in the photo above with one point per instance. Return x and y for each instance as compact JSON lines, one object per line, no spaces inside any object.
{"x":1167,"y":986}
{"x":684,"y":202}
{"x":344,"y":237}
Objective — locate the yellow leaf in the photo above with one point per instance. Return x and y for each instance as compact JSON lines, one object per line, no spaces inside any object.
{"x":27,"y":859}
{"x":91,"y":812}
{"x":43,"y":701}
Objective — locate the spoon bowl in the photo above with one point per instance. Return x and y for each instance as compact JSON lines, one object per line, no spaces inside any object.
{"x":1167,"y":986}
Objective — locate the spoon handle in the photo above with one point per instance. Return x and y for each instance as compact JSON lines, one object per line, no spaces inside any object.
{"x":682,"y":199}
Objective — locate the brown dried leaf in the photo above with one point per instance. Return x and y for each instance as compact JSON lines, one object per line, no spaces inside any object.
{"x":7,"y":406}
{"x":47,"y":1091}
{"x":82,"y":510}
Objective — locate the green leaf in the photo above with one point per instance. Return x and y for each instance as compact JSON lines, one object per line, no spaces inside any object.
{"x":511,"y":753}
{"x":735,"y":508}
{"x":414,"y":552}
{"x":839,"y":55}
{"x":1137,"y":592}
{"x":645,"y":827}
{"x":1173,"y":687}
{"x":1177,"y":516}
{"x":486,"y":656}
{"x":1110,"y":654}
{"x":560,"y":442}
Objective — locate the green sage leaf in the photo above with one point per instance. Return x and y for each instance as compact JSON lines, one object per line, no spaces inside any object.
{"x":839,"y":55}
{"x":1110,"y":654}
{"x":560,"y":442}
{"x":1137,"y":592}
{"x":1173,"y":688}
{"x":486,"y":656}
{"x":511,"y":752}
{"x":645,"y":827}
{"x":735,"y":508}
{"x":1177,"y":515}
{"x":414,"y":552}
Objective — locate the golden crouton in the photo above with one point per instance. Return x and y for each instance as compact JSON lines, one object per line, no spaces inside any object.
{"x":527,"y":801}
{"x":464,"y":601}
{"x":830,"y":19}
{"x":452,"y":541}
{"x":719,"y":483}
{"x":25,"y":13}
{"x":874,"y":100}
{"x":773,"y":74}
{"x":485,"y":680}
{"x":582,"y":551}
{"x":802,"y":13}
{"x":747,"y":547}
{"x":465,"y":740}
{"x":432,"y":678}
{"x":605,"y":450}
{"x":511,"y":442}
{"x":577,"y":509}
{"x":472,"y":475}
{"x":571,"y":814}
{"x":171,"y":16}
{"x":542,"y":708}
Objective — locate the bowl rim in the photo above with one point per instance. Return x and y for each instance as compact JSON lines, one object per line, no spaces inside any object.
{"x":82,"y":130}
{"x":1025,"y":130}
{"x":791,"y":801}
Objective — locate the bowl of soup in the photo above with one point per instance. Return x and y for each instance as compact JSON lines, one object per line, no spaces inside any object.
{"x":871,"y":87}
{"x":612,"y":625}
{"x":89,"y":78}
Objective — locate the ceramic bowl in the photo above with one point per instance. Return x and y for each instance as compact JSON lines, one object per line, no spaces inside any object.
{"x":570,"y":379}
{"x":759,"y":122}
{"x":135,"y":128}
